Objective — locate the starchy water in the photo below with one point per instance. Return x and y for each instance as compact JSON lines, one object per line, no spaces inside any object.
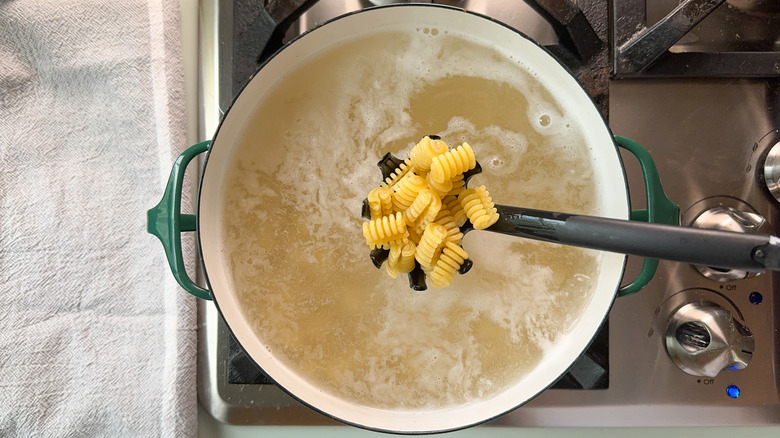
{"x":293,"y":227}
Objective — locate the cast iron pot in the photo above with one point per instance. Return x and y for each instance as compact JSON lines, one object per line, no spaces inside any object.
{"x":166,"y":222}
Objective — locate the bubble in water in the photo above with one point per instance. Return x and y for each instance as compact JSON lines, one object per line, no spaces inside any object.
{"x":544,"y":120}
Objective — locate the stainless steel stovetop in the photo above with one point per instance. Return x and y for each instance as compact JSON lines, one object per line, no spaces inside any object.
{"x":707,"y":109}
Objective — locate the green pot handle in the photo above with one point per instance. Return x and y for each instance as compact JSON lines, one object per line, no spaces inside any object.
{"x":660,"y":210}
{"x":167,"y":223}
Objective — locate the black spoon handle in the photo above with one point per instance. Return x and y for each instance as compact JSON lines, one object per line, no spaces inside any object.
{"x":719,"y":249}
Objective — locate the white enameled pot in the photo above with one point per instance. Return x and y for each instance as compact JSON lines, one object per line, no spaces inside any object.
{"x":167,"y":223}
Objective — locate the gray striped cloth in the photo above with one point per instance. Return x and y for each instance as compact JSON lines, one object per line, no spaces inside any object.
{"x":96,"y":338}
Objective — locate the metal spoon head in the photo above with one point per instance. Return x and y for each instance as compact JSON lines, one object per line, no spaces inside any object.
{"x":388,"y":164}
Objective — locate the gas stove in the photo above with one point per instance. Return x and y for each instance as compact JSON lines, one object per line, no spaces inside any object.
{"x":697,"y":82}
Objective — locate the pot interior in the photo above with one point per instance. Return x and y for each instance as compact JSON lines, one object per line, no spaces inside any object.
{"x":280,"y":225}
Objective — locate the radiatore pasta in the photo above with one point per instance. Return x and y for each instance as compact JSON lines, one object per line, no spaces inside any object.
{"x":406,"y":190}
{"x":422,"y":155}
{"x":415,"y":215}
{"x":380,"y":202}
{"x":451,"y":259}
{"x":478,"y":207}
{"x":433,"y":238}
{"x":452,"y":163}
{"x":380,"y":232}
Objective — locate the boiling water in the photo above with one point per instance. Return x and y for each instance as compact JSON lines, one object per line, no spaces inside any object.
{"x":299,"y":260}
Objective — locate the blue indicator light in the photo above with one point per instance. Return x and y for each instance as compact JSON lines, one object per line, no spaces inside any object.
{"x":755,"y":298}
{"x":733,"y":391}
{"x":734,"y":367}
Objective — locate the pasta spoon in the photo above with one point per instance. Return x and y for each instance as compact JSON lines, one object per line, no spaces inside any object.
{"x":714,"y":248}
{"x":705,"y":247}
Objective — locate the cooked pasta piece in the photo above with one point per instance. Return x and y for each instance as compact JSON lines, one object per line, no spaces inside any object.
{"x":451,"y":163}
{"x":479,"y":207}
{"x":406,"y":190}
{"x":406,"y":261}
{"x":452,"y":204}
{"x":423,"y":210}
{"x":430,"y":245}
{"x":414,"y":235}
{"x":458,"y":185}
{"x":381,"y":231}
{"x":393,"y":257}
{"x":380,"y":202}
{"x":430,"y":214}
{"x":451,"y":259}
{"x":441,"y":188}
{"x":421,"y":202}
{"x":422,"y":154}
{"x":453,"y":230}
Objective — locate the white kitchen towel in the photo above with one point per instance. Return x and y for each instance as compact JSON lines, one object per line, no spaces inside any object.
{"x":96,"y":339}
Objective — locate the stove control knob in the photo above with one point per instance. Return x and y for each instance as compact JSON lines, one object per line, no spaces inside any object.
{"x":729,"y":219}
{"x":704,"y":339}
{"x":772,"y":171}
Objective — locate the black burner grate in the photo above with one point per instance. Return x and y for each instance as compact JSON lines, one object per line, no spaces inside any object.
{"x":241,"y":369}
{"x":642,"y":51}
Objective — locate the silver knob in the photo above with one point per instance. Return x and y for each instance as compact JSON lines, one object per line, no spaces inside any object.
{"x":772,"y":171}
{"x":729,"y":219}
{"x":704,"y":339}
